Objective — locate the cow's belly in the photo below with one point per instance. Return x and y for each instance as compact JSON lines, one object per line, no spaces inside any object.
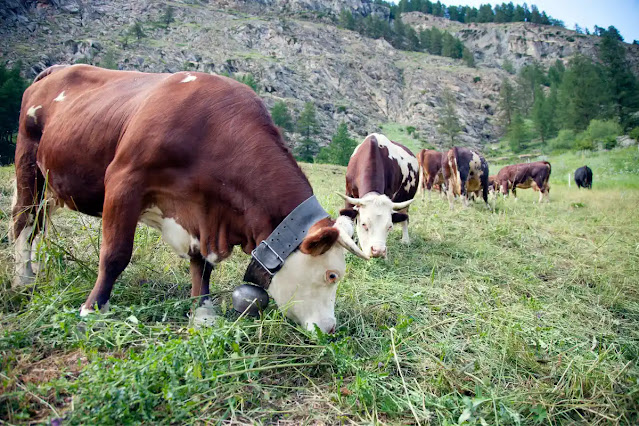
{"x":528,"y":183}
{"x":179,"y":239}
{"x":473,"y":185}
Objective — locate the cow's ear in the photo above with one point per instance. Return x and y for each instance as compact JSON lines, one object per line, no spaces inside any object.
{"x":319,"y":242}
{"x":399,"y":217}
{"x":352,"y":213}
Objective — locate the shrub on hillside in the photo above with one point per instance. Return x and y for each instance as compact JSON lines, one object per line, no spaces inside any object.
{"x":602,"y":131}
{"x":564,"y":141}
{"x":634,"y":133}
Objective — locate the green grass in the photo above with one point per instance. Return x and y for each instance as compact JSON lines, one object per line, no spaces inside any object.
{"x":398,"y":133}
{"x":525,"y":315}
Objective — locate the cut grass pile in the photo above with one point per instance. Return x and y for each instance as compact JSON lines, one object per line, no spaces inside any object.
{"x":525,"y":315}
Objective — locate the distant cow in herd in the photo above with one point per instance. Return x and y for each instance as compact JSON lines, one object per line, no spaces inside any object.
{"x":431,"y":177}
{"x":525,"y":175}
{"x":465,"y":172}
{"x":194,"y":155}
{"x":381,"y":181}
{"x":583,"y":177}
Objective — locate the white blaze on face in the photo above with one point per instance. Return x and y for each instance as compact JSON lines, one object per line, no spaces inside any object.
{"x":374,"y":222}
{"x":305,"y":288}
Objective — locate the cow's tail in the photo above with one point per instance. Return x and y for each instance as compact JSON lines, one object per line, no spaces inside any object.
{"x":49,"y":71}
{"x":549,"y":167}
{"x":454,"y":172}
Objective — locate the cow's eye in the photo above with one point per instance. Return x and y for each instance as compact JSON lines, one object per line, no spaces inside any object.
{"x":365,"y":226}
{"x":331,"y":276}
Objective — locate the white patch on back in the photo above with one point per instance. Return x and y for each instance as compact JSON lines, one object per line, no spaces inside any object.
{"x":31,"y":112}
{"x":188,"y":78}
{"x":172,"y":232}
{"x":60,"y":97}
{"x":403,"y":159}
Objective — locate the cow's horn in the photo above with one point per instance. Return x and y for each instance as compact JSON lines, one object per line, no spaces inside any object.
{"x":347,"y":242}
{"x":403,"y":205}
{"x":353,"y":201}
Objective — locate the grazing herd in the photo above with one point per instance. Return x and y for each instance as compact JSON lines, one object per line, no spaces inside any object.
{"x":181,"y":153}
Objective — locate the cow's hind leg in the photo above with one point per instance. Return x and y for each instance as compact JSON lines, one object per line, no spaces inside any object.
{"x":405,"y":237}
{"x":121,"y":211}
{"x":205,"y":311}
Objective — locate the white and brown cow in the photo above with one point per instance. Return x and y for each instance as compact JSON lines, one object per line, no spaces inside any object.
{"x":381,"y":181}
{"x":465,"y":172}
{"x":533,"y":175}
{"x":196,"y":156}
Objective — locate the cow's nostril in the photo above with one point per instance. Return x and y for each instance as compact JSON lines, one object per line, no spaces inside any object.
{"x":332,"y":330}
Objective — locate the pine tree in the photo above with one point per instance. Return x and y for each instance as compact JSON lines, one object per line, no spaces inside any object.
{"x":448,"y":122}
{"x":281,"y":116}
{"x":12,"y":85}
{"x":137,"y":31}
{"x":307,"y":126}
{"x":109,"y":61}
{"x":468,"y":57}
{"x":622,"y":83}
{"x":340,"y":149}
{"x":168,"y":16}
{"x":517,"y":134}
{"x":346,"y":19}
{"x":507,"y":103}
{"x":543,"y":115}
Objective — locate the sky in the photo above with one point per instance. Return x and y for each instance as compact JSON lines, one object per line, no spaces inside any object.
{"x":623,"y":14}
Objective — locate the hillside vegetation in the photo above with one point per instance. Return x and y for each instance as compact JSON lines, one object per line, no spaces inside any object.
{"x":525,"y":315}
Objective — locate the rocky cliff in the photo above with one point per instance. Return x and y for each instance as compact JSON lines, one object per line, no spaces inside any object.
{"x":295,"y":53}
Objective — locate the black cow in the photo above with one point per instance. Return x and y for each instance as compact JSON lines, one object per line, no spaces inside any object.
{"x":583,"y":177}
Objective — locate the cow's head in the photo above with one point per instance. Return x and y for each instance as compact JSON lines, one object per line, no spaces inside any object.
{"x":305,"y":287}
{"x":374,"y":214}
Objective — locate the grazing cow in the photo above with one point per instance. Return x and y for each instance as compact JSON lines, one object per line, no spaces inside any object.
{"x":430,"y":165}
{"x":465,"y":172}
{"x":583,"y":177}
{"x":381,"y":181}
{"x":525,"y":175}
{"x":193,"y":155}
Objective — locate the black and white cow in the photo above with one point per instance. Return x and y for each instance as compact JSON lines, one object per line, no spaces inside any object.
{"x":381,"y":181}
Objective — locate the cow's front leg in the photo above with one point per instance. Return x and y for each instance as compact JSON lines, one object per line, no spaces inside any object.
{"x":121,"y":211}
{"x":405,"y":237}
{"x":205,"y":310}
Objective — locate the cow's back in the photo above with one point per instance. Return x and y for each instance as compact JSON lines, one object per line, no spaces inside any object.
{"x":382,"y":166}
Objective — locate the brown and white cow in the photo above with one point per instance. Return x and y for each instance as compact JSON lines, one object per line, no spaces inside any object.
{"x":465,"y":172}
{"x":525,"y":175}
{"x":196,"y":156}
{"x":381,"y":182}
{"x":430,"y":165}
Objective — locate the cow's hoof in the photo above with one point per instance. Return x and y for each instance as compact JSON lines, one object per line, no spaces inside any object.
{"x":205,"y":315}
{"x":86,"y":311}
{"x":21,"y":281}
{"x":406,"y":241}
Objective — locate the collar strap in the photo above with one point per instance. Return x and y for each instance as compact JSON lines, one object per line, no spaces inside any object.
{"x":271,"y":253}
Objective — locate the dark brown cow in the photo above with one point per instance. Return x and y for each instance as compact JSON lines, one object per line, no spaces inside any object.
{"x":196,"y":156}
{"x":525,"y":175}
{"x":381,"y":181}
{"x":465,"y":172}
{"x":430,"y":165}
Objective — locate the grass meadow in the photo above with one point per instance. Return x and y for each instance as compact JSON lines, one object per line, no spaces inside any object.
{"x":528,"y":314}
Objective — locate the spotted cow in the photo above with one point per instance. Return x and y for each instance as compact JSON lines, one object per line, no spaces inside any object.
{"x":381,"y":182}
{"x":193,"y":155}
{"x":465,"y":172}
{"x":525,"y":175}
